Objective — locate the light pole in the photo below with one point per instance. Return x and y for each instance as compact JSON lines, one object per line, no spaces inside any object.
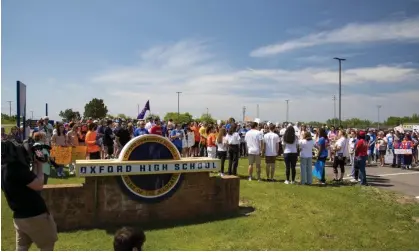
{"x":10,"y":108}
{"x":287,"y":109}
{"x":257,"y":110}
{"x":244,"y":113}
{"x":32,"y":114}
{"x":334,"y":111}
{"x":378,"y":116}
{"x":340,"y":87}
{"x":207,"y":112}
{"x":178,"y":96}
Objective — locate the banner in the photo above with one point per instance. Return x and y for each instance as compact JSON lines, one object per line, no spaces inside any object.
{"x":62,"y":155}
{"x":78,"y":153}
{"x":403,"y":151}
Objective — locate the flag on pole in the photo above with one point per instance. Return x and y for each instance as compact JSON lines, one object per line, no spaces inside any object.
{"x":145,"y":109}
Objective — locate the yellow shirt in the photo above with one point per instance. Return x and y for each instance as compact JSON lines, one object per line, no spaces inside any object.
{"x":203,"y":133}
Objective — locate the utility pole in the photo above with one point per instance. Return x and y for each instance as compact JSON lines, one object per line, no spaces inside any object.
{"x":340,"y":88}
{"x":334,"y":111}
{"x":178,"y":97}
{"x":244,"y":112}
{"x":287,"y":110}
{"x":32,"y":114}
{"x":207,"y":112}
{"x":378,"y":115}
{"x":10,"y":108}
{"x":257,"y":111}
{"x":138,"y":109}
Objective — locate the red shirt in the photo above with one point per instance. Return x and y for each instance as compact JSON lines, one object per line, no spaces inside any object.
{"x":156,"y":130}
{"x":361,"y":148}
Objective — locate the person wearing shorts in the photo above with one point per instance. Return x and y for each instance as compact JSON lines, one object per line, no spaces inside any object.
{"x":271,"y":147}
{"x":254,"y":144}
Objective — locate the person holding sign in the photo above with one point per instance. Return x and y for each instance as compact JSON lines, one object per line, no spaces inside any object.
{"x":59,"y":139}
{"x":407,"y":144}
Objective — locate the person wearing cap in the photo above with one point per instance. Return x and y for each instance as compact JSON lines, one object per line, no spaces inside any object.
{"x":156,"y":129}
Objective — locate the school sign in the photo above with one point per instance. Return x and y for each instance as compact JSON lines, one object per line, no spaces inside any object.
{"x":149,"y":168}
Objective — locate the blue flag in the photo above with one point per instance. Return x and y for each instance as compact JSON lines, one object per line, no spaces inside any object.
{"x":142,"y":114}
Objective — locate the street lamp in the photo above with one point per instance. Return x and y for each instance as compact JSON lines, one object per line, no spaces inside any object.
{"x":334,"y":111}
{"x":340,"y":87}
{"x":207,"y":112}
{"x":178,"y":95}
{"x":378,"y":117}
{"x":287,"y":109}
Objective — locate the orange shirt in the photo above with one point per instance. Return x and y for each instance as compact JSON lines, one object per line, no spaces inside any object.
{"x":211,"y":140}
{"x":91,"y":142}
{"x":196,"y":133}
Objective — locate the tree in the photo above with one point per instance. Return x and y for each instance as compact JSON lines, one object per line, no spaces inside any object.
{"x":183,"y":117}
{"x":207,"y":118}
{"x":69,"y":115}
{"x":95,"y":109}
{"x":122,"y":116}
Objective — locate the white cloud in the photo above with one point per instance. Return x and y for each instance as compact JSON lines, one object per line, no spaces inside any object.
{"x":406,"y":30}
{"x":207,"y":81}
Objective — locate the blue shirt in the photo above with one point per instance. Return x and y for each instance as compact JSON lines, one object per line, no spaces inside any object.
{"x":228,"y":126}
{"x":177,"y":141}
{"x":390,"y":140}
{"x":140,"y":132}
{"x":322,"y":145}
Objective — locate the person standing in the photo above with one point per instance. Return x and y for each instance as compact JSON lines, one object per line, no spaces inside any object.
{"x":233,"y":140}
{"x":211,"y":142}
{"x":93,"y":149}
{"x":176,"y":137}
{"x":59,"y":139}
{"x":361,"y":156}
{"x":156,"y":129}
{"x":290,"y":141}
{"x":32,"y":221}
{"x":340,"y":150}
{"x":140,"y":130}
{"x":203,"y":141}
{"x":306,"y":154}
{"x":322,"y":153}
{"x":271,"y":148}
{"x":254,"y":142}
{"x":222,"y":148}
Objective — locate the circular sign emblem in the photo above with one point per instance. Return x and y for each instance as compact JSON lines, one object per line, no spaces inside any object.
{"x":154,"y":187}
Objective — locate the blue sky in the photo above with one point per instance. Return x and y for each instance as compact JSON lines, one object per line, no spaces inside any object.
{"x":222,"y":55}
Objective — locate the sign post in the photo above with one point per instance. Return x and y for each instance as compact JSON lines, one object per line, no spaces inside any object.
{"x":21,"y":106}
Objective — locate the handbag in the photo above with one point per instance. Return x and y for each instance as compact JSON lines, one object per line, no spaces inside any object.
{"x":318,"y":169}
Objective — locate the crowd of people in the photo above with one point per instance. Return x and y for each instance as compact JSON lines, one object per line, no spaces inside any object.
{"x":105,"y":138}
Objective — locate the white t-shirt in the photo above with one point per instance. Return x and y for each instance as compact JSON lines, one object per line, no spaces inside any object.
{"x":271,"y":141}
{"x":233,"y":139}
{"x":343,"y":144}
{"x":148,"y":125}
{"x":282,"y":131}
{"x":223,"y":145}
{"x":306,"y":148}
{"x":253,"y":141}
{"x":290,"y":148}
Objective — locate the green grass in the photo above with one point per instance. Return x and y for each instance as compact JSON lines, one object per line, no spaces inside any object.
{"x":7,"y":127}
{"x":286,"y":217}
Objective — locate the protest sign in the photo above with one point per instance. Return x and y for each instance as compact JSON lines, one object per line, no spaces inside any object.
{"x":78,"y":153}
{"x":403,"y":151}
{"x":62,"y":155}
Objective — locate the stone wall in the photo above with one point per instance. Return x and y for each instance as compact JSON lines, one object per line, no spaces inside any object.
{"x":77,"y":206}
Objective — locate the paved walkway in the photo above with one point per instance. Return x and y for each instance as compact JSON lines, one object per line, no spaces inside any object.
{"x":404,"y":181}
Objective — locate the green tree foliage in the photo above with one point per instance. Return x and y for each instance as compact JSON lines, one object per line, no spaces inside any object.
{"x":95,"y":109}
{"x":69,"y":115}
{"x":394,"y":120}
{"x":183,"y":117}
{"x":207,"y":118}
{"x":7,"y":118}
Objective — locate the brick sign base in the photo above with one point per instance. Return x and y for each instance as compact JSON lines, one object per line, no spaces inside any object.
{"x":101,"y":202}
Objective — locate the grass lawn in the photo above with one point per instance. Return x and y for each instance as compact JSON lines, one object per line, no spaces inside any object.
{"x":286,"y":217}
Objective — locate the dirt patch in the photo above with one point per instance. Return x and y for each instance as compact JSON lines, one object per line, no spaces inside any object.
{"x":416,"y":219}
{"x":406,"y":200}
{"x":244,"y":202}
